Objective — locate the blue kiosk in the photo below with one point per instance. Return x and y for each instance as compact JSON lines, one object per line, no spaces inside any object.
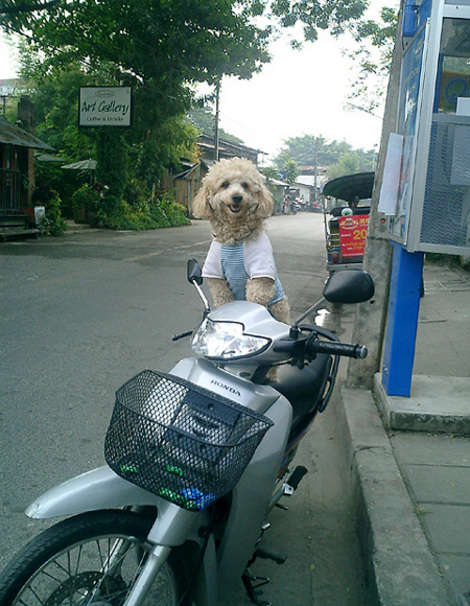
{"x":432,"y":212}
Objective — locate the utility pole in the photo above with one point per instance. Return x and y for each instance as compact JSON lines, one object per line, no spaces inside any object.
{"x":369,"y":325}
{"x":216,"y":129}
{"x":315,"y":173}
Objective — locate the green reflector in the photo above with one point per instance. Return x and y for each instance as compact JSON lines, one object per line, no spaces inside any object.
{"x":130,"y":468}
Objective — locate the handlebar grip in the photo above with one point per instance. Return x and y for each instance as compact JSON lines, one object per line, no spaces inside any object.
{"x":338,"y":349}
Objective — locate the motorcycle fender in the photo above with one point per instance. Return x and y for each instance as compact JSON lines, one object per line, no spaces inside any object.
{"x":97,"y":489}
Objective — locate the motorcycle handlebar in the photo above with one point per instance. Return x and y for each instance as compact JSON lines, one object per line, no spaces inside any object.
{"x":303,"y":348}
{"x":337,"y":349}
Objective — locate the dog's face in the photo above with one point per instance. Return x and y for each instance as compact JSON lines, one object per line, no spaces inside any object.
{"x":235,"y":194}
{"x":233,"y":191}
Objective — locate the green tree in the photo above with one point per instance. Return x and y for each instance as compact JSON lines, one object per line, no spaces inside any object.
{"x":333,"y":15}
{"x":271,"y":172}
{"x":160,"y":48}
{"x":347,"y":164}
{"x":308,"y":150}
{"x":304,"y":150}
{"x":204,"y":120}
{"x":373,"y":55}
{"x":291,"y":171}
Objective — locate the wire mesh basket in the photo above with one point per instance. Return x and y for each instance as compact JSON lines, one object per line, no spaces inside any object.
{"x":180,"y":441}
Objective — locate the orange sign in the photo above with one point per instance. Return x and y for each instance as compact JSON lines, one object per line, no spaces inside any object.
{"x":352,"y":233}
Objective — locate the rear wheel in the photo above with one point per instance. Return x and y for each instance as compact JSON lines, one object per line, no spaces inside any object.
{"x":89,"y":560}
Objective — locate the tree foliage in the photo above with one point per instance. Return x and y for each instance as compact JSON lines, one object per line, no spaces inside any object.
{"x":333,"y":15}
{"x":309,"y":150}
{"x":373,"y":55}
{"x":162,"y":49}
{"x":204,"y":120}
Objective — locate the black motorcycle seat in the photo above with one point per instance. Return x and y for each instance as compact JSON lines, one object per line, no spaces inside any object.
{"x":303,"y":387}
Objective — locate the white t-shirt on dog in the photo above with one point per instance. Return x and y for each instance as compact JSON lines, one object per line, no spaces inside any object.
{"x":240,"y":262}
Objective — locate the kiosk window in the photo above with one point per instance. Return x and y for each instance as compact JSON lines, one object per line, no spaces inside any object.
{"x":454,"y":66}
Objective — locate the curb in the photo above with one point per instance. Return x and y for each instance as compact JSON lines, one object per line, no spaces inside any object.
{"x":423,"y":410}
{"x":400,"y":568}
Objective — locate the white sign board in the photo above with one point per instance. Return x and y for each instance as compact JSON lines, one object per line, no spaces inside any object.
{"x":391,"y":175}
{"x":105,"y":106}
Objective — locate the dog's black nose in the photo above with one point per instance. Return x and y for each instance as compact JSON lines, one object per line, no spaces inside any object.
{"x":237,"y":198}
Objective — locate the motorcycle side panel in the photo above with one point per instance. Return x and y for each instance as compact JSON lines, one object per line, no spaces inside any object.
{"x":97,"y":489}
{"x":201,"y":372}
{"x":252,"y":494}
{"x":250,"y":500}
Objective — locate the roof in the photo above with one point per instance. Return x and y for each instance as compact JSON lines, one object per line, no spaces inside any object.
{"x":13,"y":135}
{"x":47,"y":157}
{"x":276,"y":182}
{"x":350,"y":186}
{"x":207,"y":141}
{"x":189,"y":169}
{"x":81,"y":165}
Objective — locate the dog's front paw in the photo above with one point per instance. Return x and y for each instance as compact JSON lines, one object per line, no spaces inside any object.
{"x":260,"y":290}
{"x":220,"y":291}
{"x":281,"y":311}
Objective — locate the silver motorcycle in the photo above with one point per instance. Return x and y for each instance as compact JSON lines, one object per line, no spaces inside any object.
{"x":196,"y":459}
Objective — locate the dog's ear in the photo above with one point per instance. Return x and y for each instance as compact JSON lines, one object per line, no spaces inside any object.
{"x":266,"y":204}
{"x":200,"y":204}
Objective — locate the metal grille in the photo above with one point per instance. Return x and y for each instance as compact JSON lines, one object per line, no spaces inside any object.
{"x":180,"y":441}
{"x":446,"y":211}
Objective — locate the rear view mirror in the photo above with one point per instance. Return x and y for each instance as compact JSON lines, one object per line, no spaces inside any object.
{"x":349,"y":286}
{"x":194,"y":272}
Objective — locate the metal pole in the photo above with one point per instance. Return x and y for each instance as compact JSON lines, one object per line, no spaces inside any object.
{"x":315,"y":198}
{"x":216,"y":129}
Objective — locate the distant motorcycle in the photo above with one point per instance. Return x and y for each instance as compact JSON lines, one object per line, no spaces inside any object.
{"x":295,"y":207}
{"x":196,"y":460}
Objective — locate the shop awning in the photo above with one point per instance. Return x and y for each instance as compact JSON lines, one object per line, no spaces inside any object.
{"x":13,"y":135}
{"x":48,"y":158}
{"x":81,"y":165}
{"x":350,"y":186}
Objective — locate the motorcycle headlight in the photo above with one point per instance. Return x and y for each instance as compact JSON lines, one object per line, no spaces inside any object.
{"x":226,"y":341}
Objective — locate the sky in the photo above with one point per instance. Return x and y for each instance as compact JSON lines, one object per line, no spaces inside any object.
{"x":299,"y":93}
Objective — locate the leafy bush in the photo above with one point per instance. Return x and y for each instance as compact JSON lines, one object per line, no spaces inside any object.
{"x":159,"y":215}
{"x":85,"y":204}
{"x":53,"y":224}
{"x":147,"y":215}
{"x":175,"y":212}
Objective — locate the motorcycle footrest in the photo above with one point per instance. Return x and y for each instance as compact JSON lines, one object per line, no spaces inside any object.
{"x":296,"y":476}
{"x":270,"y":555}
{"x":253,"y":590}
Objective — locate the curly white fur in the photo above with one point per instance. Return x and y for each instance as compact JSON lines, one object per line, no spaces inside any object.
{"x":226,"y":182}
{"x":236,"y":201}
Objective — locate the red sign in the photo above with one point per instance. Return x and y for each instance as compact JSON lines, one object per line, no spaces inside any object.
{"x":352,"y":232}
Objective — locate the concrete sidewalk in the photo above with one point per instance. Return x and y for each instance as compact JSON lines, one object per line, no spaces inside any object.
{"x":410,"y":458}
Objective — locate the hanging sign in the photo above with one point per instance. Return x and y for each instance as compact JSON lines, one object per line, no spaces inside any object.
{"x":352,"y":234}
{"x":105,"y":106}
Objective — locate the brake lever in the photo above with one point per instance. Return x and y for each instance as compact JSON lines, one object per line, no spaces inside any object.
{"x":188,"y":333}
{"x":294,"y":346}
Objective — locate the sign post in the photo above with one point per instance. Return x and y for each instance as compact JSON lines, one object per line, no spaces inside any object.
{"x":105,"y":106}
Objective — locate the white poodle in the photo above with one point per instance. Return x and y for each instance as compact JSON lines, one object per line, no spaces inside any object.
{"x":240,"y":263}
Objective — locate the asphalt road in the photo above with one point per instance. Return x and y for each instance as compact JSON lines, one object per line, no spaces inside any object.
{"x":83,"y":313}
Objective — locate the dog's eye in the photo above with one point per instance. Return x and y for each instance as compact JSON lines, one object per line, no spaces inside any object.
{"x":225,"y":184}
{"x":245,"y":185}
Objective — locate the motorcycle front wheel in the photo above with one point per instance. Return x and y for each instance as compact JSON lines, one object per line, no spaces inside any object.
{"x":92,"y":559}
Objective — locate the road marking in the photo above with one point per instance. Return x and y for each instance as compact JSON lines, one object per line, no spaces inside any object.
{"x":156,"y":253}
